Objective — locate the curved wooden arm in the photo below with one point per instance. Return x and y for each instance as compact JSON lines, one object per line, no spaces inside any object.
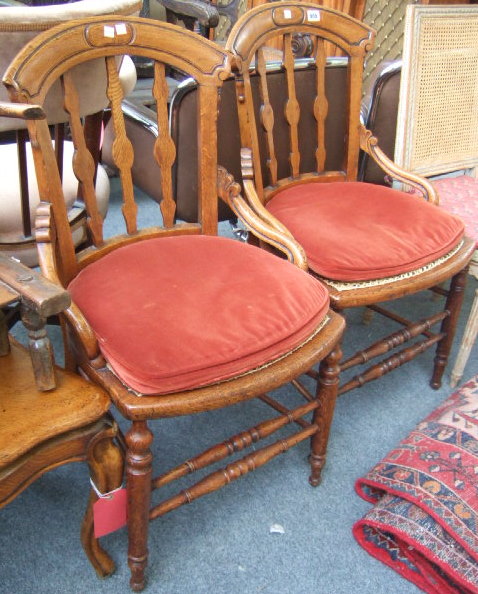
{"x":36,"y":291}
{"x":85,"y":335}
{"x":21,"y":110}
{"x":247,"y":171}
{"x":230,"y":192}
{"x":369,"y":144}
{"x":44,"y":230}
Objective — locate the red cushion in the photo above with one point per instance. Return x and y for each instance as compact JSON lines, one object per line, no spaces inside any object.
{"x":179,"y":312}
{"x":355,"y":231}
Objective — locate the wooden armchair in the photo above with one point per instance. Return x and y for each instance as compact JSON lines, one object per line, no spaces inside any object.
{"x":172,"y":319}
{"x":49,"y":417}
{"x":367,"y":244}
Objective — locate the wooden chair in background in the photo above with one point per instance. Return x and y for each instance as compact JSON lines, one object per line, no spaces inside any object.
{"x":49,"y":417}
{"x":173,"y":320}
{"x":366,"y":243}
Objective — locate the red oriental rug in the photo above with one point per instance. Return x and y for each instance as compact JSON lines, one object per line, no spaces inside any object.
{"x":424,"y":523}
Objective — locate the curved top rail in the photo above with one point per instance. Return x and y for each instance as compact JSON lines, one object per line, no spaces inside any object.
{"x":50,"y":54}
{"x":352,"y":35}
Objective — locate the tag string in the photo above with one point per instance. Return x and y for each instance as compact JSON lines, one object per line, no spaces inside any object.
{"x":108,"y":495}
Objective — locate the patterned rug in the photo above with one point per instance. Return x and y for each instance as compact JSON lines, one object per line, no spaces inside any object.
{"x":424,"y":523}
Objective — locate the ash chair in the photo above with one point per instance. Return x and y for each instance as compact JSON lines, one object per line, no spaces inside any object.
{"x":19,"y":195}
{"x":171,"y":319}
{"x":49,"y":417}
{"x":367,"y":244}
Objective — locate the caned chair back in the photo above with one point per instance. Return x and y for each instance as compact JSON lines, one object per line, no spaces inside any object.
{"x":286,"y":24}
{"x":51,"y":56}
{"x":438,"y":105}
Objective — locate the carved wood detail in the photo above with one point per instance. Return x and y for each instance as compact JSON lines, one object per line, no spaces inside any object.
{"x":164,"y":147}
{"x":292,"y":109}
{"x":320,"y":105}
{"x":83,"y":162}
{"x":267,"y":115}
{"x":122,"y":147}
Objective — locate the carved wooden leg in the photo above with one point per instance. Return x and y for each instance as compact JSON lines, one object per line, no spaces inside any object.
{"x":41,"y":351}
{"x":327,"y":388}
{"x":106,"y":462}
{"x":453,"y":306}
{"x":139,"y":477}
{"x":469,"y":337}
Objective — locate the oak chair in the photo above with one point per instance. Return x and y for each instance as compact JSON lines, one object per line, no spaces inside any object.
{"x":49,"y":417}
{"x":366,"y":243}
{"x":172,"y":319}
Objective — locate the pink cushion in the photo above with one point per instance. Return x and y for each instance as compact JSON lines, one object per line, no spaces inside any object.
{"x":179,"y":312}
{"x":355,"y":231}
{"x":459,"y":195}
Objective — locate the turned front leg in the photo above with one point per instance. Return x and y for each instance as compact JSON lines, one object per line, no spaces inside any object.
{"x":453,"y":305}
{"x":138,"y":481}
{"x":327,"y":389}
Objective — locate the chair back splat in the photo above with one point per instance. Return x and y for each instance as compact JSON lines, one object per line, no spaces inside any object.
{"x":168,"y":317}
{"x":253,"y":54}
{"x":368,"y":244}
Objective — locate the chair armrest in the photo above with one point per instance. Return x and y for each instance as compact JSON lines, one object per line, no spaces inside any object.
{"x":263,"y":225}
{"x":203,"y":12}
{"x":369,"y":144}
{"x":38,"y":298}
{"x":21,"y":110}
{"x":33,"y":289}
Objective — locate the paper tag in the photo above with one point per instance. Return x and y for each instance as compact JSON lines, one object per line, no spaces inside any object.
{"x":109,"y":512}
{"x":121,"y":29}
{"x":287,"y":14}
{"x":108,"y":31}
{"x":313,"y":15}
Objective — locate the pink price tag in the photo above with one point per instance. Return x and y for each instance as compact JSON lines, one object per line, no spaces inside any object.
{"x":109,"y":512}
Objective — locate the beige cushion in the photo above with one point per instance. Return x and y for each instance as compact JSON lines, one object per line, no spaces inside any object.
{"x":19,"y":25}
{"x":11,"y":220}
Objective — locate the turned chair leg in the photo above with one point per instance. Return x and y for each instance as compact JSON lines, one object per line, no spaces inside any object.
{"x":326,"y":392}
{"x":453,"y":305}
{"x":106,"y":463}
{"x":469,"y":337}
{"x":138,"y":482}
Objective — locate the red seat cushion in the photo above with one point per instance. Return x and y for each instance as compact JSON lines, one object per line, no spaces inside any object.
{"x":355,"y":231}
{"x":177,"y":313}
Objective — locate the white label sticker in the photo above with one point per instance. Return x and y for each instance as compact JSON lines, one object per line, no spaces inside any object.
{"x":121,"y":29}
{"x":313,"y":15}
{"x":287,"y":14}
{"x":108,"y":31}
